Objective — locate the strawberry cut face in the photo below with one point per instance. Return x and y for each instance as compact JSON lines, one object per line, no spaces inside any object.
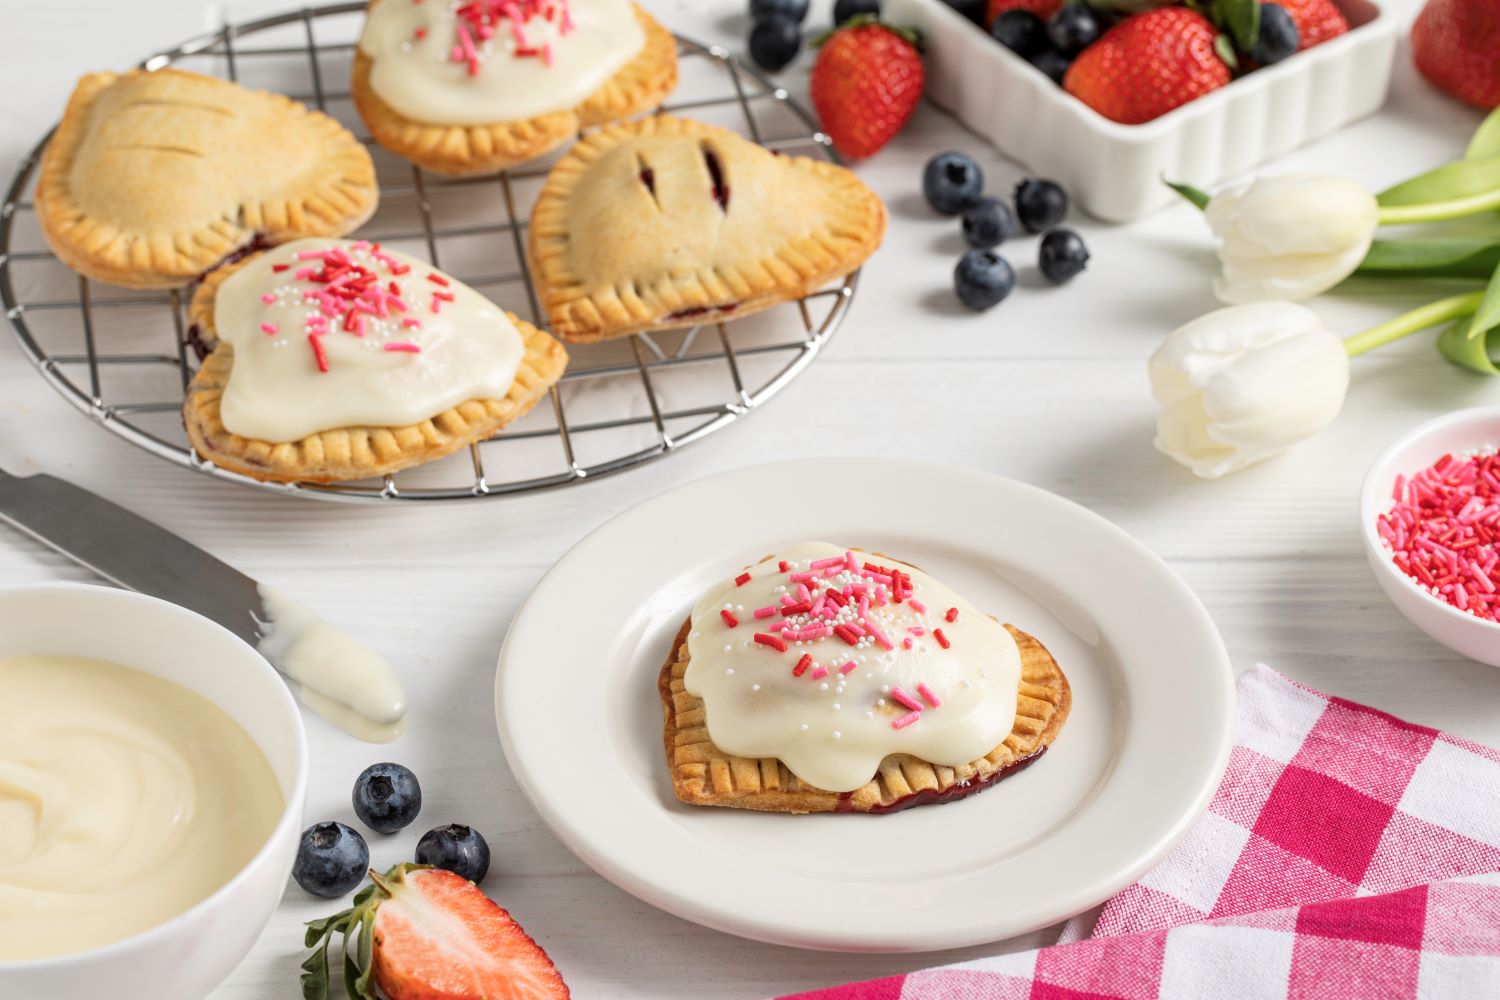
{"x":438,"y":937}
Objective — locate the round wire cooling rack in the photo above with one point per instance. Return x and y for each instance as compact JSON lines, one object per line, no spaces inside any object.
{"x":125,"y":357}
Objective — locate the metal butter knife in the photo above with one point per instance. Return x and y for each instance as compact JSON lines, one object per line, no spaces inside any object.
{"x":131,"y":551}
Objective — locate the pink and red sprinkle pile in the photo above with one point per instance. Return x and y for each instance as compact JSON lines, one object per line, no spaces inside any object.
{"x":479,"y":20}
{"x":835,"y":598}
{"x":348,"y":291}
{"x":1442,"y":531}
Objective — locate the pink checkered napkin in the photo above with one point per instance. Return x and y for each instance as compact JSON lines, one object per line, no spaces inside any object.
{"x":1347,"y":855}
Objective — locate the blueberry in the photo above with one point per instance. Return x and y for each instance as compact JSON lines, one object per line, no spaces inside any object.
{"x":331,"y":860}
{"x":795,"y":10}
{"x":1062,"y":255}
{"x":972,"y":9}
{"x":387,"y":797}
{"x":988,"y":223}
{"x":460,"y":849}
{"x":1021,"y":31}
{"x":843,"y":10}
{"x":1073,"y":28}
{"x":775,"y":42}
{"x":982,"y":279}
{"x":1040,"y":204}
{"x":952,"y":182}
{"x":1278,"y":36}
{"x":1053,"y":63}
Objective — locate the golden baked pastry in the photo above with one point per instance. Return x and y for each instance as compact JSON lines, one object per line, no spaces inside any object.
{"x":704,"y":774}
{"x":667,"y":222}
{"x":515,"y":123}
{"x":153,"y":178}
{"x":285,"y":424}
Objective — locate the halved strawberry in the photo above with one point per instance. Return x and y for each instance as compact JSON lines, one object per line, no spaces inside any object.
{"x":422,"y":933}
{"x":1317,"y":21}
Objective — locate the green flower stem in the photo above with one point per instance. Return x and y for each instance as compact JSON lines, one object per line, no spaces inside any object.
{"x":1425,"y":317}
{"x":1437,"y":211}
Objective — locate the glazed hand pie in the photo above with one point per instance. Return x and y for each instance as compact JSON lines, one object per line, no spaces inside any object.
{"x":341,"y":360}
{"x":153,"y":178}
{"x":474,"y":86}
{"x":667,"y":222}
{"x":824,"y":680}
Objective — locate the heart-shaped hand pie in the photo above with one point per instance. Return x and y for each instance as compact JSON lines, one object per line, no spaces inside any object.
{"x":472,"y":88}
{"x":668,"y":222}
{"x":153,"y":178}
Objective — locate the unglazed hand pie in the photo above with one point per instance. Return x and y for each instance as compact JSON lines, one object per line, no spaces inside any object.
{"x":473,"y":86}
{"x":153,"y":178}
{"x":343,"y":360}
{"x":668,"y":222}
{"x":823,"y":680}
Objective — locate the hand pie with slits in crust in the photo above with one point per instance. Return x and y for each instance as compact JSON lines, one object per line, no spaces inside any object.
{"x":817,"y":710}
{"x":482,"y":86}
{"x":337,"y":360}
{"x":668,"y":222}
{"x":154,"y":178}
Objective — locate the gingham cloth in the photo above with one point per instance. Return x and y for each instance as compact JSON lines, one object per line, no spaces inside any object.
{"x":1347,"y":855}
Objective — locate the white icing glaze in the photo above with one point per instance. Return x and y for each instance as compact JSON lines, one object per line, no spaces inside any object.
{"x":276,"y":392}
{"x":418,"y":75}
{"x":833,"y":731}
{"x":334,"y":674}
{"x":125,"y":799}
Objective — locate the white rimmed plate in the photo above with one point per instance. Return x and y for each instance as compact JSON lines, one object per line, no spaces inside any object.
{"x":1148,"y":739}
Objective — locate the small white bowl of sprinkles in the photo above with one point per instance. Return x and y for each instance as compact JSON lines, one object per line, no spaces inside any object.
{"x":1430,"y":516}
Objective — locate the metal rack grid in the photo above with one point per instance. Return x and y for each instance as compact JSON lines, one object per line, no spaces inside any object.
{"x":646,"y":417}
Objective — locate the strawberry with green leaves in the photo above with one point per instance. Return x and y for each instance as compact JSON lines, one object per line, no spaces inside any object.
{"x":1149,"y":64}
{"x":420,"y":933}
{"x":866,"y":83}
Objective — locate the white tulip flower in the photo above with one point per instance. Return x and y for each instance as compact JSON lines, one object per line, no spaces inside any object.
{"x":1290,"y":238}
{"x":1245,"y":382}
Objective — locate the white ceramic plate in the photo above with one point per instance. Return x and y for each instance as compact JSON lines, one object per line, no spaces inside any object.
{"x":1140,"y":756}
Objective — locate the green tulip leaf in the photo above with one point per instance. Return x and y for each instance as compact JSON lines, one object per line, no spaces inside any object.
{"x":1486,"y":141}
{"x":1458,"y":257}
{"x":1486,"y":318}
{"x":1197,"y":196}
{"x":1450,"y":182}
{"x":1472,"y":353}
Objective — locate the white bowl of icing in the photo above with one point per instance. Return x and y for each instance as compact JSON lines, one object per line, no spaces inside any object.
{"x":186,"y":955}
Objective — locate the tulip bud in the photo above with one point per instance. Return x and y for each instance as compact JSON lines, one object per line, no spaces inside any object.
{"x":1290,"y":238}
{"x":1245,"y":382}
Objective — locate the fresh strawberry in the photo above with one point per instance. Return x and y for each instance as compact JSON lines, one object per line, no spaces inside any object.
{"x":1317,"y":21}
{"x":1456,"y":45}
{"x":866,"y":83}
{"x":427,"y":934}
{"x":1147,"y":65}
{"x":1043,"y":9}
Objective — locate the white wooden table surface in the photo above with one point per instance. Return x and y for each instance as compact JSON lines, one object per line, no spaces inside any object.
{"x":1050,"y":388}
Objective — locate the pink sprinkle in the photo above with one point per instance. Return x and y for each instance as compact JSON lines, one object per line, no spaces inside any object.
{"x":403,"y":347}
{"x":268,"y":298}
{"x":819,"y":673}
{"x":269,"y":328}
{"x":905,"y":699}
{"x":906,"y":719}
{"x":411,"y":322}
{"x":765,"y":612}
{"x":850,"y":563}
{"x":928,"y":696}
{"x":803,"y":594}
{"x":846,"y":668}
{"x":917,"y":606}
{"x":826,"y":563}
{"x":906,"y":643}
{"x":917,"y":630}
{"x":880,"y":637}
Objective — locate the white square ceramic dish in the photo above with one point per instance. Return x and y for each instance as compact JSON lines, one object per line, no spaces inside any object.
{"x":1114,"y":171}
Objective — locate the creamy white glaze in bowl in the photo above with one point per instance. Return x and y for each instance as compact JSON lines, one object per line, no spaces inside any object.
{"x":185,"y":957}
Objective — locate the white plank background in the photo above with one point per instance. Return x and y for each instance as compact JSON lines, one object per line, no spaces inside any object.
{"x":1049,"y":388}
